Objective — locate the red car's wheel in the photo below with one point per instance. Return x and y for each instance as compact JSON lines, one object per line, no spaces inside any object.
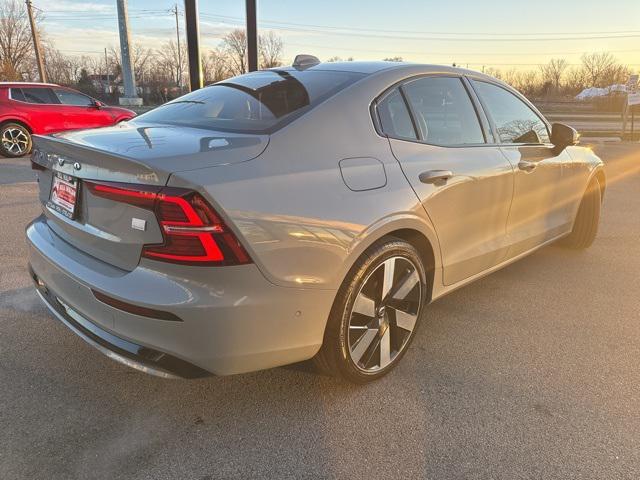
{"x":15,"y":140}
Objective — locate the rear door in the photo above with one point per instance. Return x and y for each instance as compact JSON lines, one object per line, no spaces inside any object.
{"x":41,"y":106}
{"x":80,"y":110}
{"x":539,"y":212}
{"x":444,"y":146}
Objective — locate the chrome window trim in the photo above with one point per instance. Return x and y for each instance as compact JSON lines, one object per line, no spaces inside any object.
{"x":477,"y":108}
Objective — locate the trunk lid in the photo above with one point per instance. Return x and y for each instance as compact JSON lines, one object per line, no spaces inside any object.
{"x":112,"y":231}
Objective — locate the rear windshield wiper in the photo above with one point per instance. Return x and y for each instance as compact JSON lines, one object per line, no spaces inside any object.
{"x":187,"y":101}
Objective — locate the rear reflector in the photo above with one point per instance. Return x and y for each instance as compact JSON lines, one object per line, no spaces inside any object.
{"x":193,"y":232}
{"x":135,"y":309}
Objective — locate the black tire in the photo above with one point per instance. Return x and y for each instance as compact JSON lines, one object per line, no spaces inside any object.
{"x":585,"y":227}
{"x":335,"y":356}
{"x":11,"y":131}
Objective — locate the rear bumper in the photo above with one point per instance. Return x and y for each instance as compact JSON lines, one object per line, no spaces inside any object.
{"x":228,"y":319}
{"x":136,"y":356}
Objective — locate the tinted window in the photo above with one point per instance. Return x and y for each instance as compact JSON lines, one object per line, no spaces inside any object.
{"x":257,"y":102}
{"x":39,"y":95}
{"x":67,"y":97}
{"x":443,"y":111}
{"x":394,"y":117}
{"x":515,"y":121}
{"x":16,"y":94}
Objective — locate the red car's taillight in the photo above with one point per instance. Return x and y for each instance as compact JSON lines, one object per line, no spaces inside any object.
{"x":193,"y":232}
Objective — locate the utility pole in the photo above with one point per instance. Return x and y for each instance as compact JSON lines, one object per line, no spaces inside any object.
{"x":36,"y":43}
{"x":252,"y":36}
{"x":130,"y":93}
{"x":179,"y":76}
{"x":193,"y":43}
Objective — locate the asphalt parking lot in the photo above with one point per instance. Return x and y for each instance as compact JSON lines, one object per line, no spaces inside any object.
{"x":532,"y":372}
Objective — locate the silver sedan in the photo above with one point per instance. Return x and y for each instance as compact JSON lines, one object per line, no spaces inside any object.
{"x":306,"y":212}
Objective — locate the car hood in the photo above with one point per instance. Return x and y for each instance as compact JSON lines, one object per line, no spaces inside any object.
{"x":166,"y":147}
{"x":120,"y":111}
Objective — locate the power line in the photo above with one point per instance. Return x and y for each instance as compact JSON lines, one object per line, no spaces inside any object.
{"x":373,"y":33}
{"x":451,"y":54}
{"x":370,"y":30}
{"x":327,"y":30}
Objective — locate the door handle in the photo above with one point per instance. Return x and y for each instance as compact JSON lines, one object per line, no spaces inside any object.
{"x":433,"y":176}
{"x":527,"y":166}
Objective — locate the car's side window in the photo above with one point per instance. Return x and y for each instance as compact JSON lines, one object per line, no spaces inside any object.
{"x":16,"y":94}
{"x":394,"y":116}
{"x":67,"y":97}
{"x":39,"y":95}
{"x":514,"y":119}
{"x":443,"y":111}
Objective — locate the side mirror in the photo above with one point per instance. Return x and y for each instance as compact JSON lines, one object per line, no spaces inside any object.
{"x":97,"y":104}
{"x":563,"y":135}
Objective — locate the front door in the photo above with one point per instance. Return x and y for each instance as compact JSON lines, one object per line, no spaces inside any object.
{"x":465,"y":184}
{"x":80,"y":110}
{"x":540,"y":211}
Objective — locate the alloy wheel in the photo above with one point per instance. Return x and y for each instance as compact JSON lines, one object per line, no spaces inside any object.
{"x":15,"y":140}
{"x":384,"y":314}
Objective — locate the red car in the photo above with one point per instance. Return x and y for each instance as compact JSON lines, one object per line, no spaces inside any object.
{"x":43,"y":108}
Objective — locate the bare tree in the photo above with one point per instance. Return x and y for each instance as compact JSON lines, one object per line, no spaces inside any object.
{"x":527,"y":81}
{"x":16,"y":48}
{"x":553,"y":71}
{"x":215,"y":66}
{"x":494,"y":72}
{"x":598,"y":68}
{"x":234,"y":44}
{"x":140,"y":57}
{"x":575,"y":80}
{"x":170,"y":59}
{"x":270,"y":50}
{"x":58,"y":66}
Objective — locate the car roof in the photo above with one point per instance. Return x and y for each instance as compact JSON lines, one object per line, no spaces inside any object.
{"x":370,"y":67}
{"x":27,"y":84}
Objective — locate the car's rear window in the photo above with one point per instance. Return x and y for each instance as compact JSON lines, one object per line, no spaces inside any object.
{"x":259,"y":102}
{"x":34,"y":95}
{"x":16,"y":94}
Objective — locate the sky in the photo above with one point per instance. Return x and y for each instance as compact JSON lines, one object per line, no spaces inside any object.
{"x":475,"y":33}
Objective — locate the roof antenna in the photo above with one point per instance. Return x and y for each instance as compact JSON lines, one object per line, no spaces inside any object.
{"x":303,"y":61}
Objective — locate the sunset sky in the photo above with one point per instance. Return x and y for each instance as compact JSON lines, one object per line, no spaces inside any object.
{"x":500,"y":34}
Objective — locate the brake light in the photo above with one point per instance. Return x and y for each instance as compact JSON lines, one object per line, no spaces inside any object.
{"x":193,"y":232}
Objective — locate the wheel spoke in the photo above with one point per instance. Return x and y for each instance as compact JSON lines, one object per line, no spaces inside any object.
{"x":406,"y":286}
{"x":364,"y":305}
{"x":363,"y":343}
{"x":404,"y":320}
{"x":389,"y":270}
{"x":385,"y":348}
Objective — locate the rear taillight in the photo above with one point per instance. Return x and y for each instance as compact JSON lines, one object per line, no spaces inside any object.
{"x":193,"y":232}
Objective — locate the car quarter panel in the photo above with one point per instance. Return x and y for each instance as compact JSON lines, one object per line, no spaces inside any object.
{"x":301,"y":223}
